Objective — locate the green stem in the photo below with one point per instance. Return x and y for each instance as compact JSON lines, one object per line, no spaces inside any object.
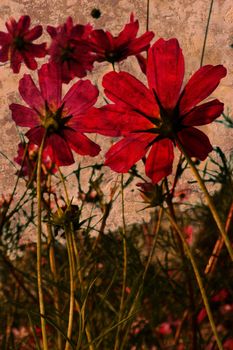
{"x":39,"y":232}
{"x":199,"y":281}
{"x":64,"y":185}
{"x":154,"y":244}
{"x":147,"y":14}
{"x":135,"y":300}
{"x":72,"y":299}
{"x":209,"y":201}
{"x":116,"y":347}
{"x":218,"y":246}
{"x":206,"y":33}
{"x":74,"y":258}
{"x":193,"y":343}
{"x":53,"y":269}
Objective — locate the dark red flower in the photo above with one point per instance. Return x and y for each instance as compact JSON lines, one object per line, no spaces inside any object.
{"x":152,"y":194}
{"x":107,"y":47}
{"x":60,"y":117}
{"x":27,"y":159}
{"x":152,"y":119}
{"x":17,"y":46}
{"x":69,"y":49}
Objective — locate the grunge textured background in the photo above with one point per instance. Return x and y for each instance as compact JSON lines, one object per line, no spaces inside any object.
{"x":183,"y":19}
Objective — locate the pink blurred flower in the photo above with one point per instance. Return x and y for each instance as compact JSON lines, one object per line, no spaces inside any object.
{"x":165,"y":328}
{"x":188,"y":231}
{"x":28,"y":160}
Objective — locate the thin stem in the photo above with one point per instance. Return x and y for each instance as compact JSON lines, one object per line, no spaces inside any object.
{"x":4,"y":214}
{"x":64,"y":185}
{"x":206,"y":33}
{"x":186,"y":270}
{"x":135,"y":300}
{"x":199,"y":281}
{"x":154,"y":243}
{"x":147,"y":14}
{"x":15,"y":273}
{"x":70,"y":251}
{"x":209,"y":200}
{"x":54,"y":271}
{"x":218,"y":246}
{"x":39,"y":232}
{"x":116,"y":347}
{"x":72,"y":299}
{"x":74,"y":258}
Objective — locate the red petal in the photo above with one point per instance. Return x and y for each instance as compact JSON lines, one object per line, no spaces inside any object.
{"x":16,"y":60}
{"x":5,"y":38}
{"x":110,"y":120}
{"x":23,"y":24}
{"x":36,"y":134}
{"x":37,"y":50}
{"x":140,"y":44}
{"x":29,"y":60}
{"x":50,"y":84}
{"x":33,"y":33}
{"x":60,"y":151}
{"x":77,"y":70}
{"x":81,"y":144}
{"x":24,"y":116}
{"x":11,"y":26}
{"x":30,"y":93}
{"x":195,"y":143}
{"x":52,"y":31}
{"x":203,"y":114}
{"x":165,"y":71}
{"x":4,"y":53}
{"x":125,"y":153}
{"x":128,"y":33}
{"x":81,"y":96}
{"x":99,"y":41}
{"x":159,"y":161}
{"x":200,"y":86}
{"x":124,"y":88}
{"x":142,"y":63}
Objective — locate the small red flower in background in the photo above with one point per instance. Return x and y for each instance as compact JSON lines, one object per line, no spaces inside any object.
{"x":152,"y":194}
{"x":59,"y":118}
{"x":17,"y":46}
{"x":69,"y":49}
{"x":165,"y":328}
{"x":107,"y":47}
{"x":228,"y":344}
{"x":151,"y":120}
{"x":27,"y":159}
{"x":188,"y":231}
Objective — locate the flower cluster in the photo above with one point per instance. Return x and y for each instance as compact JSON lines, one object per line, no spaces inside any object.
{"x":150,"y":119}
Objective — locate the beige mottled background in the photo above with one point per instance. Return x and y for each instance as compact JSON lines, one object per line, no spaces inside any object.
{"x":183,"y":19}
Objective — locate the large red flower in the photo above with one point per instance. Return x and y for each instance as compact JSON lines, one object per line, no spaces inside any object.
{"x":17,"y":46}
{"x":47,"y":111}
{"x":69,"y":49}
{"x":107,"y":47}
{"x":151,"y":120}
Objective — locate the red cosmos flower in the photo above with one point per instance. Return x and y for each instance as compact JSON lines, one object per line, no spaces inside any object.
{"x":152,"y":119}
{"x":28,"y":161}
{"x":17,"y":46}
{"x":69,"y":49}
{"x":107,"y":47}
{"x":60,"y":117}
